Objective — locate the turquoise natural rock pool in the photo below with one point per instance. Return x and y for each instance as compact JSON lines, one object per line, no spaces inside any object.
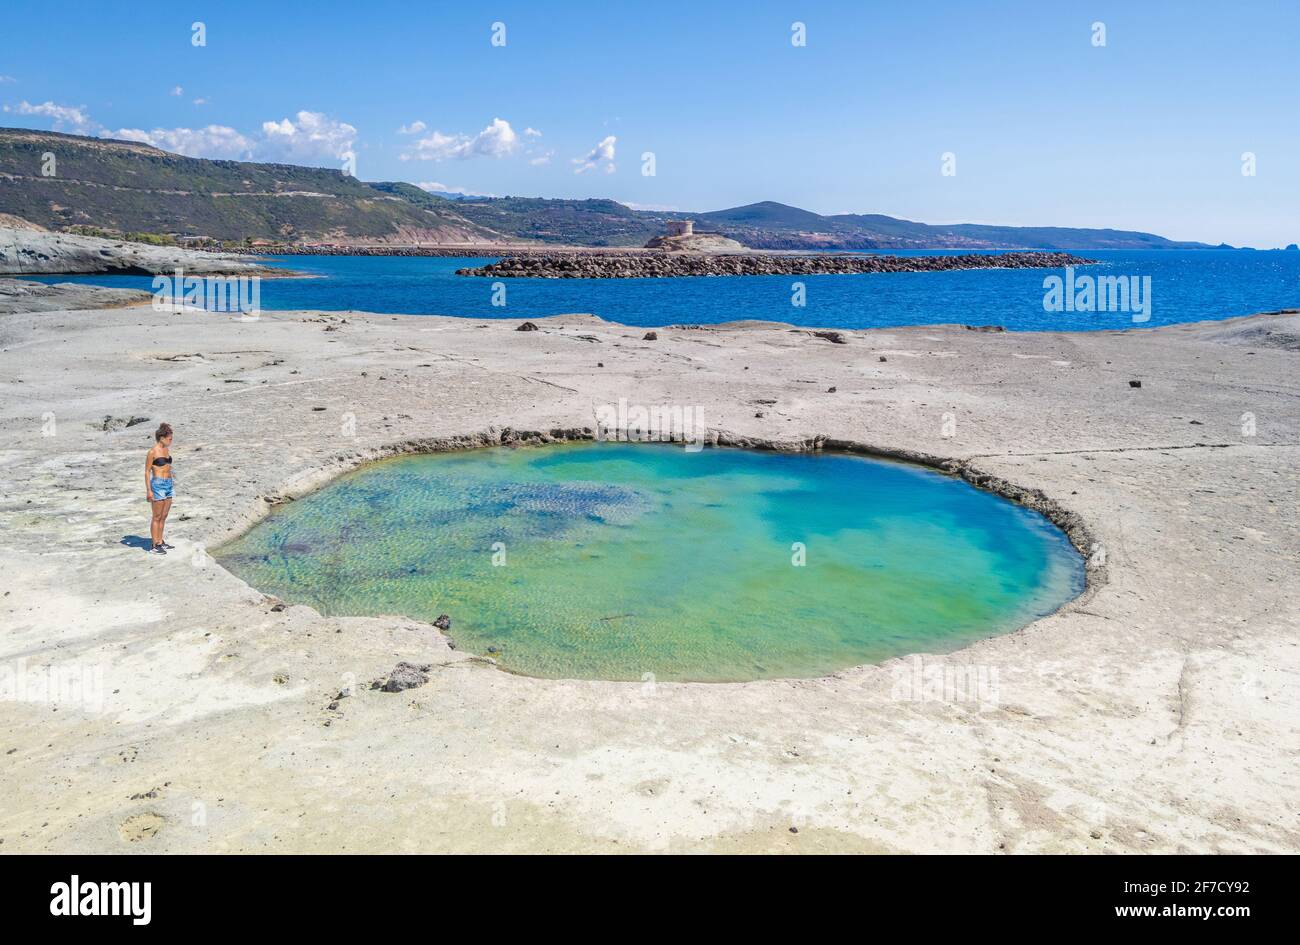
{"x":613,"y":561}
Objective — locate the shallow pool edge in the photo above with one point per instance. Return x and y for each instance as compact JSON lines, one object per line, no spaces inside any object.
{"x":1070,"y":523}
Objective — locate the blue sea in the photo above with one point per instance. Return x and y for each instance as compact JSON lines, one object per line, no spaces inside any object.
{"x":1185,"y":286}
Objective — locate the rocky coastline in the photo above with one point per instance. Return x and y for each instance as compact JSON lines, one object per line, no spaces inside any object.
{"x":307,"y":249}
{"x":644,"y":265}
{"x":29,"y":252}
{"x":471,"y":250}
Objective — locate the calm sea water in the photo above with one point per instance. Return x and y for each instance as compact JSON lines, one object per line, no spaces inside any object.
{"x":1185,"y":286}
{"x":609,"y":561}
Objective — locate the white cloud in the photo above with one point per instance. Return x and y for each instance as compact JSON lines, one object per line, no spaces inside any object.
{"x":6,"y":79}
{"x":64,"y":116}
{"x":542,"y":159}
{"x":214,"y":141}
{"x":308,"y":138}
{"x":601,"y":153}
{"x":414,"y":128}
{"x":178,"y":90}
{"x":311,"y":138}
{"x":496,"y":140}
{"x":532,"y":132}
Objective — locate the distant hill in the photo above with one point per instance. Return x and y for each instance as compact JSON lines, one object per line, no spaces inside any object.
{"x":125,"y":187}
{"x":573,"y":222}
{"x":107,"y":187}
{"x":770,"y":225}
{"x":768,"y":215}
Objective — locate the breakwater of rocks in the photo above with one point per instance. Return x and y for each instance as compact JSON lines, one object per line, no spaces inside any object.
{"x":655,"y":265}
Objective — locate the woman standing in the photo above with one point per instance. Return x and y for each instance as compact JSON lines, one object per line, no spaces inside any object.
{"x":158,"y":486}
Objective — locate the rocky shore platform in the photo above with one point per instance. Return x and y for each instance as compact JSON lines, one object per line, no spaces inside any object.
{"x":19,"y":295}
{"x":160,"y":704}
{"x":642,"y":265}
{"x":32,"y":252}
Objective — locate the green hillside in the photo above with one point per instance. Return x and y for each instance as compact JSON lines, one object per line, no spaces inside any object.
{"x":1037,"y":237}
{"x":134,"y":188}
{"x":120,"y":187}
{"x":770,"y":225}
{"x":767,"y":214}
{"x":573,"y":222}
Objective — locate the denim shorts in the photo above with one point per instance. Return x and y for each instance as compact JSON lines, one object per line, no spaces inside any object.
{"x":162,"y":488}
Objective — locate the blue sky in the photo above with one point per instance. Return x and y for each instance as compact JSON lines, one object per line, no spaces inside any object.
{"x":1146,"y":132}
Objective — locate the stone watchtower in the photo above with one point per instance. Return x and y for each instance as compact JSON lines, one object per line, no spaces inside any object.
{"x":680,"y":227}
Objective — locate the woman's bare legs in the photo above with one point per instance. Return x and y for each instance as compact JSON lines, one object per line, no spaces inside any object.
{"x":156,"y":523}
{"x":162,"y":518}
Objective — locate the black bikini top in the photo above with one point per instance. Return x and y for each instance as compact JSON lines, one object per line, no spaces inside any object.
{"x":162,"y":460}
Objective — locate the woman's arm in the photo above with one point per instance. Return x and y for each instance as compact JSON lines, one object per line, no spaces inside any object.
{"x":148,"y":475}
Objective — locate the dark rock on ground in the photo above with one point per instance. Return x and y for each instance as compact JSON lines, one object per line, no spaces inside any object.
{"x":527,"y":326}
{"x":443,"y":622}
{"x":406,"y":676}
{"x":650,"y":336}
{"x":110,"y":424}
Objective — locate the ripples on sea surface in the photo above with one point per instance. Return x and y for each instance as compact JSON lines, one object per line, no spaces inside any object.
{"x":1190,"y":285}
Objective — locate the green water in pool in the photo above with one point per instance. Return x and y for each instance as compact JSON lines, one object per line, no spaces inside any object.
{"x":613,"y":561}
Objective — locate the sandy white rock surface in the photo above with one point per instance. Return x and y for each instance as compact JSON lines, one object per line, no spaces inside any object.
{"x":23,"y":295}
{"x":1157,"y":713}
{"x":26,"y":251}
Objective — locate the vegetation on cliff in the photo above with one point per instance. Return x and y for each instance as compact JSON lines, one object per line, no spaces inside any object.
{"x":108,"y":187}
